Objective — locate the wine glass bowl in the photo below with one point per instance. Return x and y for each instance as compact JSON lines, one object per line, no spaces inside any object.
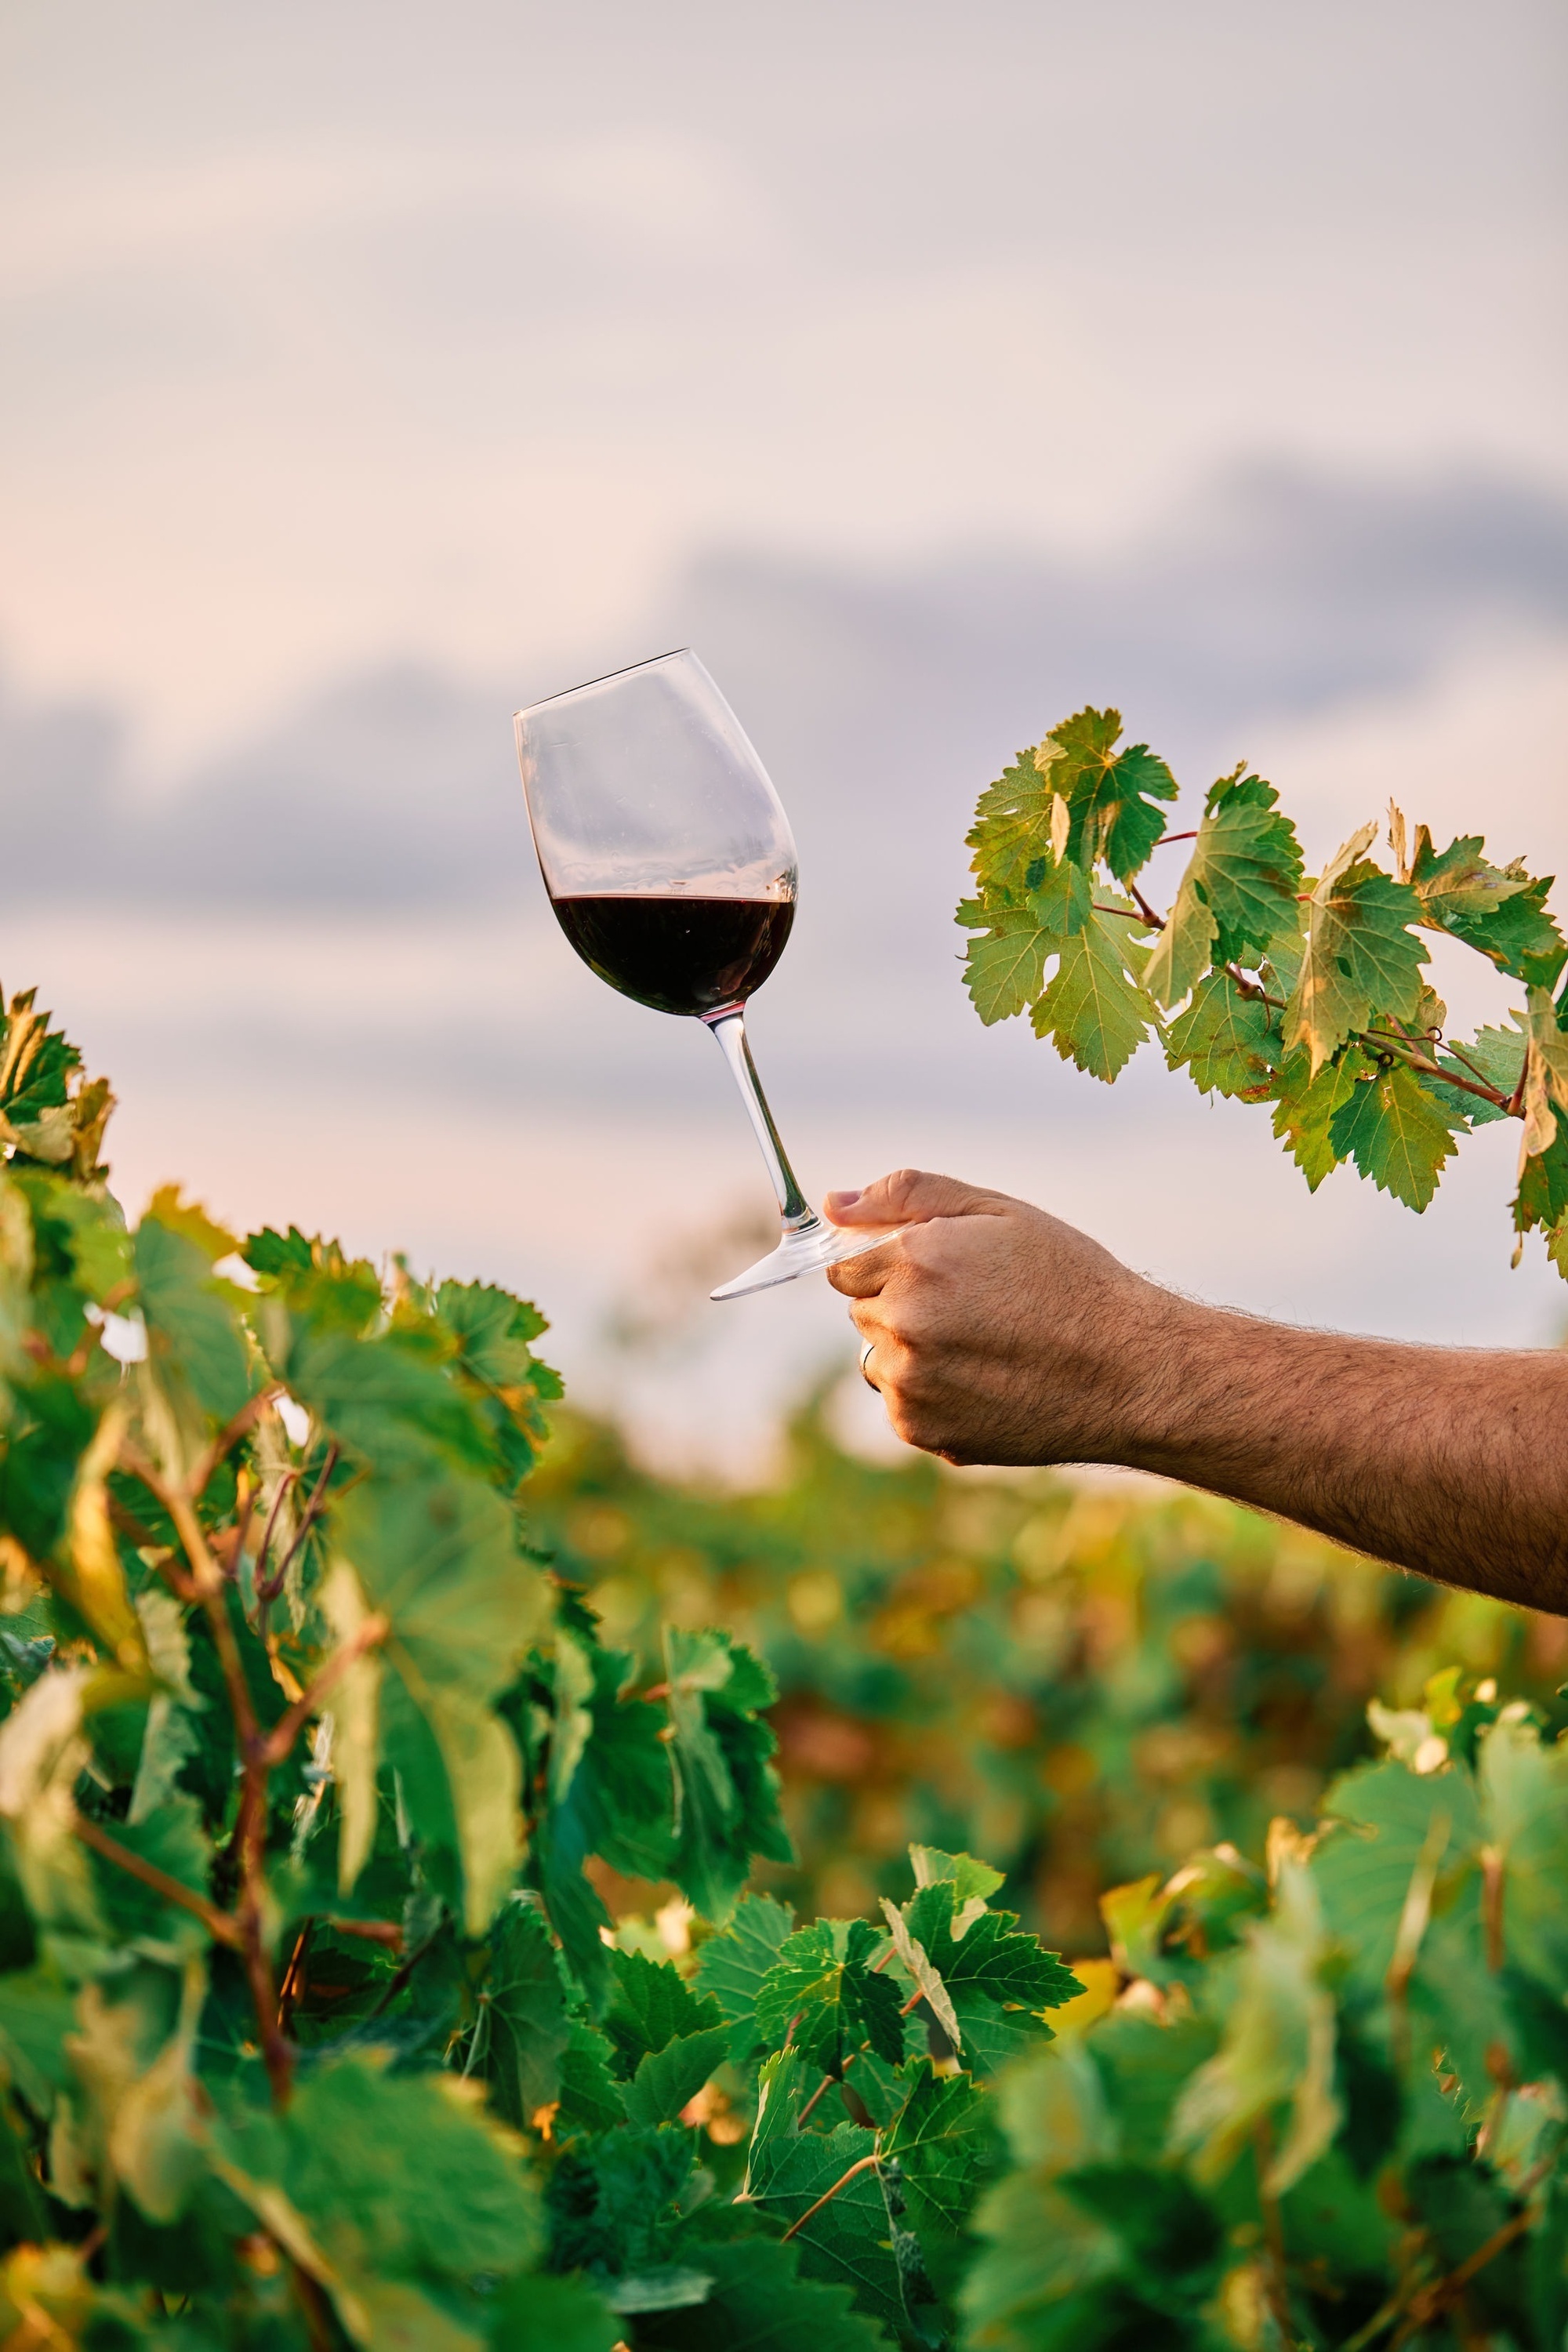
{"x":671,"y":868}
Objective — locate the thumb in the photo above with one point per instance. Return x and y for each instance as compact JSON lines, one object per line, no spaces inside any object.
{"x":909,"y":1197}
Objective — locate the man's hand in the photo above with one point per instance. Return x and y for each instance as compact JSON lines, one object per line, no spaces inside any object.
{"x":1001,"y":1335}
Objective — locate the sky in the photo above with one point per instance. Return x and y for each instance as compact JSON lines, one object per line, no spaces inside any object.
{"x":370,"y":370}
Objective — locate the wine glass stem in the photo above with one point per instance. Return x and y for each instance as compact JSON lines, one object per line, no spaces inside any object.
{"x":729,"y":1028}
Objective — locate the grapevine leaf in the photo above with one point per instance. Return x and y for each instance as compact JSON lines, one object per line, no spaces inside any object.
{"x":523,"y":2026}
{"x":1361,"y":954}
{"x":543,"y":2314}
{"x":1238,"y":891}
{"x":973,"y":1883}
{"x":823,"y":1987}
{"x":758,"y":2301}
{"x":193,"y":1331}
{"x":612,"y":2207}
{"x":1500,"y":911}
{"x":410,"y":2198}
{"x":667,"y":2079}
{"x":922,"y":1974}
{"x":1111,"y":798}
{"x":1095,"y":1011}
{"x":1012,"y":829}
{"x":1396,"y":1132}
{"x":943,"y":2141}
{"x":847,"y":2240}
{"x":438,"y":1557}
{"x":732,"y":1964}
{"x":619,"y":1800}
{"x":1363,"y":1871}
{"x":174,"y":1840}
{"x":1006,"y":970}
{"x":1033,"y":2287}
{"x":1277,"y":2047}
{"x":990,"y":1958}
{"x":728,"y":1790}
{"x":1524,"y":1801}
{"x":1230,"y":1042}
{"x":652,"y":2007}
{"x":590,"y":2098}
{"x":1494,"y":1055}
{"x":1461,"y":881}
{"x":1543,"y":1195}
{"x":1305,"y":1112}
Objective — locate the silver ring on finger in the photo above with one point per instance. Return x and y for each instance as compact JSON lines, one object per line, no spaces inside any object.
{"x":865,"y":1363}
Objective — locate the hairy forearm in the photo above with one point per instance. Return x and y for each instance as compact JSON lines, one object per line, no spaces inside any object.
{"x":1453,"y":1461}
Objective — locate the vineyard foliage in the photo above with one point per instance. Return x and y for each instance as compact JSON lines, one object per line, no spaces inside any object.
{"x":1305,"y":992}
{"x":403,"y":1943}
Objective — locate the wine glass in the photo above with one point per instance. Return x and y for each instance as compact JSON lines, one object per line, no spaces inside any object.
{"x":671,"y":868}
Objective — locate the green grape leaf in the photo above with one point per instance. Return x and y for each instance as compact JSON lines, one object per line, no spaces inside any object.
{"x":1230,"y":1042}
{"x":989,"y":1956}
{"x":652,"y":2005}
{"x":403,"y":2182}
{"x":612,"y":2206}
{"x":1305,"y":1112}
{"x":498,"y":1370}
{"x":590,"y":2098}
{"x":1499,"y":910}
{"x":1276,"y":2047}
{"x":1397,"y":1133}
{"x":1497,"y":1053}
{"x":1032,"y":2288}
{"x":522,"y":2028}
{"x":193,"y":1332}
{"x":758,"y":2301}
{"x":439,"y":1556}
{"x":1461,"y":880}
{"x":667,"y":2079}
{"x":1363,"y":1871}
{"x":539,"y":2313}
{"x":1237,"y":893}
{"x":732,"y":1965}
{"x":1095,"y":1011}
{"x":1524,"y":1788}
{"x":1005,"y":970}
{"x":727,"y":1809}
{"x":847,"y":2240}
{"x":1361,"y":954}
{"x":174,"y":1840}
{"x":1543,"y":1195}
{"x":823,"y":1994}
{"x":972,"y":1882}
{"x":617,"y":1802}
{"x":943,"y":2141}
{"x":1112,"y":799}
{"x":1011,"y":831}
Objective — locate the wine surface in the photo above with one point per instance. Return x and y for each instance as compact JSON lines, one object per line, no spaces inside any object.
{"x":678,"y":954}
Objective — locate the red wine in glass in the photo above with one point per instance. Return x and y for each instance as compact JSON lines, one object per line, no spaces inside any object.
{"x":671,"y":868}
{"x":678,"y":954}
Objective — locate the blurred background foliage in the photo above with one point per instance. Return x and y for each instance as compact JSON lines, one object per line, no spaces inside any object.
{"x":1081,"y":1678}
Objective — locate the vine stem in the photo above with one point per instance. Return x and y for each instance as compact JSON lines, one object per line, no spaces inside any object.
{"x":250,"y":1827}
{"x":268,"y":1591}
{"x":828,"y":2195}
{"x":1275,"y":2272}
{"x":220,"y":1925}
{"x":274,"y":1748}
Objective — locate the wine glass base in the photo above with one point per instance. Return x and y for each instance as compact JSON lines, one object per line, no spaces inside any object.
{"x":802,"y":1252}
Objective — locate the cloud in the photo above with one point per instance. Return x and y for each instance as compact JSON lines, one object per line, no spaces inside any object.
{"x":882,"y":700}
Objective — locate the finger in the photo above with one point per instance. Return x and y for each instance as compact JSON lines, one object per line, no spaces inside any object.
{"x":863,"y":1277}
{"x":909,"y":1196}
